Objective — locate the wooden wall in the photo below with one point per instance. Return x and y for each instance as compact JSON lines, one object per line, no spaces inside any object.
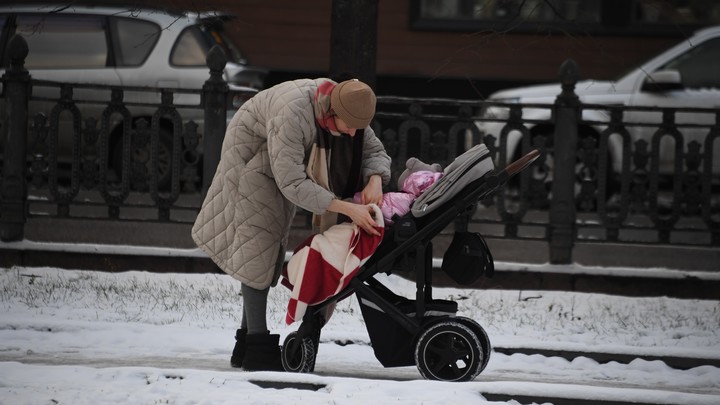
{"x":283,"y":34}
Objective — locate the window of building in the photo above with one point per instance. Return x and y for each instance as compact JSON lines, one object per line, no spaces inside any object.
{"x":565,"y":16}
{"x":3,"y":22}
{"x":3,"y":39}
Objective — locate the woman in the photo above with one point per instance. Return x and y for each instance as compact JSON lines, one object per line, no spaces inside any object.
{"x":303,"y":143}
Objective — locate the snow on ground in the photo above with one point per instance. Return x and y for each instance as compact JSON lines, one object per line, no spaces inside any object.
{"x":85,"y":337}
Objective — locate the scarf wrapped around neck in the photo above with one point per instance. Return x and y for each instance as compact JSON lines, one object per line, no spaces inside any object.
{"x":335,"y":161}
{"x":324,"y":115}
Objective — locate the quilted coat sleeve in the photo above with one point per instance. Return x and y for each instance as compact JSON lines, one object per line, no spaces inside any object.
{"x":288,"y":135}
{"x":375,"y":159}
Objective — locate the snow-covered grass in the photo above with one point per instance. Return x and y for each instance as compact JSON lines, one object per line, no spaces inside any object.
{"x":73,"y":336}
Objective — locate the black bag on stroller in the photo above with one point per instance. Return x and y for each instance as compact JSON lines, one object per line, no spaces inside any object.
{"x":467,"y":258}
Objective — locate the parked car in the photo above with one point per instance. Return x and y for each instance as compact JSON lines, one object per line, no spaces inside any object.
{"x":123,"y":46}
{"x":686,"y":75}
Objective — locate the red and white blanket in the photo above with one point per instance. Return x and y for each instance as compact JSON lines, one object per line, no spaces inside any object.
{"x":325,"y":263}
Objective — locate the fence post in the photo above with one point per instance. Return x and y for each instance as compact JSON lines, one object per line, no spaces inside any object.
{"x":562,"y":205}
{"x":215,"y":92}
{"x":13,"y":190}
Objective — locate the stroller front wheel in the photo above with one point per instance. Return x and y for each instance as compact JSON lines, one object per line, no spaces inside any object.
{"x":449,"y":351}
{"x":298,"y":356}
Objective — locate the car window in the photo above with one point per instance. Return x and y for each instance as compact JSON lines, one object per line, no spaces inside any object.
{"x":194,"y":43}
{"x":218,"y":37}
{"x":133,"y":40}
{"x":700,"y":66}
{"x":190,"y":48}
{"x":63,"y":41}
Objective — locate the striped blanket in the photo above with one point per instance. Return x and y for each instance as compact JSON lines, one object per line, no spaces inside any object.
{"x":325,"y":263}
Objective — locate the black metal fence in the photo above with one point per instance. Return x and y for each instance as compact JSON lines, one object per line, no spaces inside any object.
{"x":596,"y":181}
{"x":107,"y":152}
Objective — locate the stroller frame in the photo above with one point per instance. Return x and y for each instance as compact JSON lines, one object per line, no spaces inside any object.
{"x":424,"y":331}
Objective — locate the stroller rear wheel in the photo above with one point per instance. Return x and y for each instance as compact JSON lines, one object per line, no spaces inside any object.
{"x":449,"y":351}
{"x":482,"y":336}
{"x":298,"y":356}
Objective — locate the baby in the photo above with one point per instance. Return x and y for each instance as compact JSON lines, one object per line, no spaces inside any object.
{"x":398,"y":203}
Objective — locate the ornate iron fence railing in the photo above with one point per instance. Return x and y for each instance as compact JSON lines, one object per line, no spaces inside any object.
{"x":146,"y":154}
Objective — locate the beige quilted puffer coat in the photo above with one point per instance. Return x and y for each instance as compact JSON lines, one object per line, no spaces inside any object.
{"x":246,"y":216}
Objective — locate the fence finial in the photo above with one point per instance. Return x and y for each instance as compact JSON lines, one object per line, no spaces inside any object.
{"x":569,"y":73}
{"x":18,"y":52}
{"x":216,"y":61}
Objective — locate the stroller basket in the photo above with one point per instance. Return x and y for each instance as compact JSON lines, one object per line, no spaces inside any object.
{"x":392,"y":342}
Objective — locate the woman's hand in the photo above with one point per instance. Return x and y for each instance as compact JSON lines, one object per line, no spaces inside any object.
{"x":372,"y":193}
{"x":360,"y":214}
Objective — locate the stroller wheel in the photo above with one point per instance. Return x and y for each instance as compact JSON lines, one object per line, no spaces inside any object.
{"x":449,"y":351}
{"x":298,"y":356}
{"x":482,"y":337}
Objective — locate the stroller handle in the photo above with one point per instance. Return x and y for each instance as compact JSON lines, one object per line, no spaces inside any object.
{"x":522,"y":163}
{"x":501,"y":177}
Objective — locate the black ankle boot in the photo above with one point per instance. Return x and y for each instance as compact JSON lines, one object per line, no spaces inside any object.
{"x":262,"y":353}
{"x":238,"y":353}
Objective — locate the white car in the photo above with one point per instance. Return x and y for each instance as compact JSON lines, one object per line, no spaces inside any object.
{"x":123,"y":46}
{"x":686,"y":75}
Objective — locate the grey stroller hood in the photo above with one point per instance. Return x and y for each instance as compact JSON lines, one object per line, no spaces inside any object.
{"x":471,"y":165}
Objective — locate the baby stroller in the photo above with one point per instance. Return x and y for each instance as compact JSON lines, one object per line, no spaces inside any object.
{"x":423,"y":331}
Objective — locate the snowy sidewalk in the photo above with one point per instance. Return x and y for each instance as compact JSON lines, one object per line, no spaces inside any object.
{"x":88,"y":337}
{"x":633,"y":281}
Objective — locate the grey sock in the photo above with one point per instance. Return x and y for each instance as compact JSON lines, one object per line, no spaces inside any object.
{"x":254,"y":309}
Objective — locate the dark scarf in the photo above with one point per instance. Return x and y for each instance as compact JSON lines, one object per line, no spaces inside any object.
{"x":335,"y":159}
